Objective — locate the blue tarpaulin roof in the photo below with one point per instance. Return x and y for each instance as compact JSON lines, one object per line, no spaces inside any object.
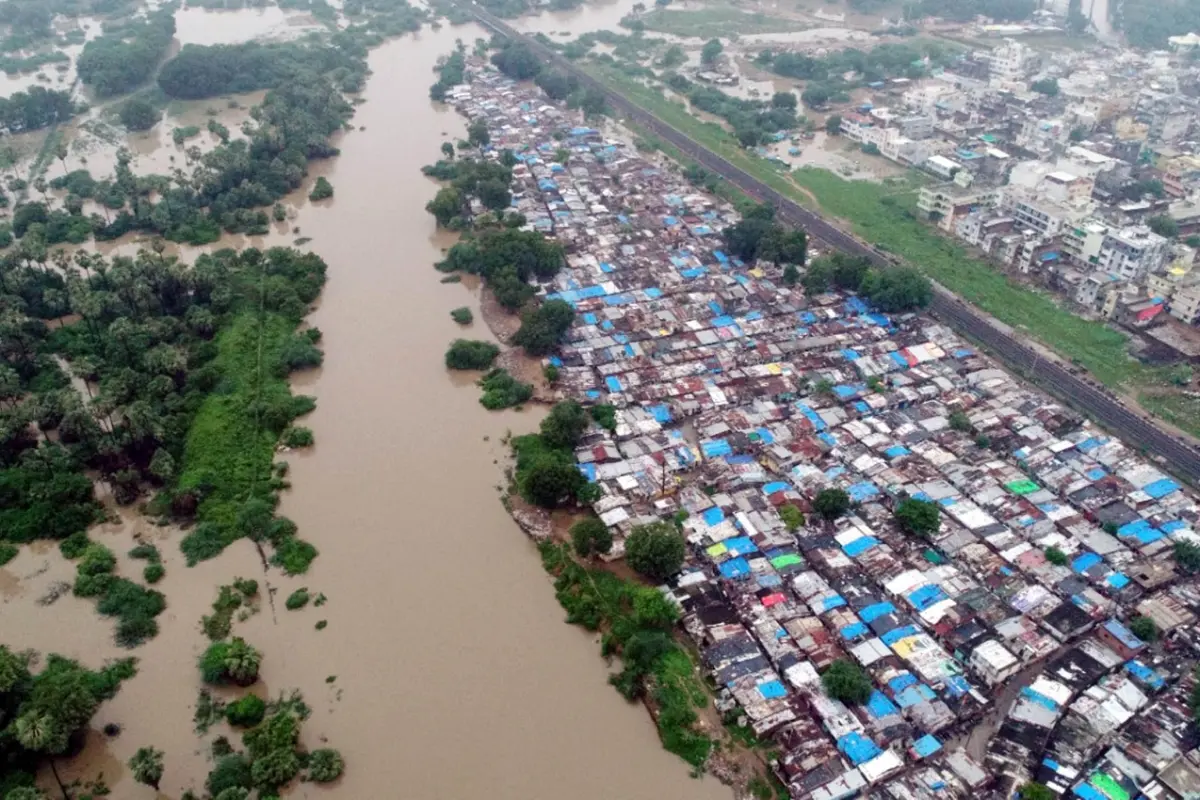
{"x":740,"y":545}
{"x":772,"y":689}
{"x":1086,"y":792}
{"x":1144,"y":674}
{"x":776,"y":486}
{"x":1161,"y":488}
{"x":1085,"y":561}
{"x":860,"y":545}
{"x":896,"y":450}
{"x":862,"y":491}
{"x":915,"y":695}
{"x":1117,"y":580}
{"x":926,"y":596}
{"x":858,"y":748}
{"x":713,"y":515}
{"x":875,"y":611}
{"x":1039,"y":698}
{"x":896,"y":634}
{"x":1123,"y":635}
{"x":612,"y":383}
{"x":902,"y":682}
{"x":926,"y":746}
{"x":735,"y":568}
{"x":880,"y":706}
{"x":715,"y":448}
{"x":854,"y":630}
{"x":830,"y":603}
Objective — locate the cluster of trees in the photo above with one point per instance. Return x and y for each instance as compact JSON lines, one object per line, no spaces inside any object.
{"x":831,"y":503}
{"x":508,"y":260}
{"x":542,"y":328}
{"x":38,"y":107}
{"x":1046,"y":86}
{"x":145,"y":344}
{"x":487,"y":181}
{"x":880,"y":63}
{"x":1149,"y":23}
{"x":517,"y":61}
{"x":209,"y":71}
{"x":966,"y":10}
{"x":138,"y":114}
{"x":894,"y":289}
{"x":546,"y":473}
{"x":452,"y":70}
{"x":271,"y":759}
{"x":757,"y":236}
{"x":125,"y":57}
{"x":227,"y":187}
{"x":656,"y":551}
{"x":44,"y":715}
{"x":920,"y":518}
{"x":753,"y":121}
{"x":837,"y":270}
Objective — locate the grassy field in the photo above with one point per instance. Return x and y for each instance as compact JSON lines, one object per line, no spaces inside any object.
{"x":884,"y":215}
{"x":717,"y":21}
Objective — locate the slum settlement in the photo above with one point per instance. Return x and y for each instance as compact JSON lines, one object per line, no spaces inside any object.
{"x":738,"y":396}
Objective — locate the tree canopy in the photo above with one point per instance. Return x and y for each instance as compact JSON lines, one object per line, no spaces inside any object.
{"x":201,"y":71}
{"x":918,"y":517}
{"x":844,"y":680}
{"x":656,"y":550}
{"x":831,"y":503}
{"x":543,"y":327}
{"x":138,"y":115}
{"x":125,"y":56}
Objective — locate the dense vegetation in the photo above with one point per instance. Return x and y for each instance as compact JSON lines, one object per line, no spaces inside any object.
{"x":35,"y":108}
{"x":208,"y":71}
{"x":655,"y":550}
{"x":844,"y":680}
{"x":507,"y":260}
{"x":138,"y":115}
{"x":44,"y":715}
{"x":1149,"y":23}
{"x":471,"y":354}
{"x":758,"y":236}
{"x":879,"y":63}
{"x":546,"y":474}
{"x":125,"y":56}
{"x":502,"y":390}
{"x":635,"y":622}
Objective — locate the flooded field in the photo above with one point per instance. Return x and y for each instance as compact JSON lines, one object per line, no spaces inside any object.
{"x":446,"y":670}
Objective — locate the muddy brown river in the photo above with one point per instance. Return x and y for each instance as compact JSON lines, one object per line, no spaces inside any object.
{"x":453,"y":674}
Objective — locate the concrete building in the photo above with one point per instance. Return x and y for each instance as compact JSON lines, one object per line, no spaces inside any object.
{"x":1035,"y":211}
{"x":1082,"y":242}
{"x":993,"y":662}
{"x":945,"y":204}
{"x":1185,"y":304}
{"x":1133,"y":252}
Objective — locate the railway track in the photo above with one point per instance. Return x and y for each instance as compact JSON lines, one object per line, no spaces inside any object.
{"x":1171,"y":451}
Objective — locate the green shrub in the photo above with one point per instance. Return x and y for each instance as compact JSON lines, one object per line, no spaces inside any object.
{"x":7,"y":552}
{"x":231,"y":772}
{"x":471,"y":354}
{"x":325,"y":765}
{"x":74,"y":545}
{"x":294,"y":555}
{"x":97,"y":559}
{"x":146,"y":551}
{"x":202,"y":543}
{"x":297,"y":599}
{"x":322,"y":189}
{"x":153,"y":573}
{"x":502,"y":390}
{"x":247,"y":586}
{"x":92,"y":585}
{"x":246,"y":712}
{"x":462,"y":315}
{"x":297,"y":436}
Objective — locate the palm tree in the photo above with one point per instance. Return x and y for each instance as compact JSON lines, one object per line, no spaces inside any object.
{"x":147,"y":766}
{"x":242,"y":662}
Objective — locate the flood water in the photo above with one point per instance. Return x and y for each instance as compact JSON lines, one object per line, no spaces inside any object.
{"x":454,"y":675}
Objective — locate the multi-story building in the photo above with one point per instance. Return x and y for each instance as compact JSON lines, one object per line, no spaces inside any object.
{"x":947,"y":203}
{"x":1036,"y":212}
{"x":1185,"y":303}
{"x":1082,"y":242}
{"x":1133,"y":252}
{"x":1010,"y":63}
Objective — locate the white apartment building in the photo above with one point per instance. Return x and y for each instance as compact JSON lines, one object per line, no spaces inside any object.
{"x":1132,"y":253}
{"x":1034,"y":211}
{"x":1082,"y":242}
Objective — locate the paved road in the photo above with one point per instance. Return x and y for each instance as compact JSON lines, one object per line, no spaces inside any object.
{"x":1097,"y":402}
